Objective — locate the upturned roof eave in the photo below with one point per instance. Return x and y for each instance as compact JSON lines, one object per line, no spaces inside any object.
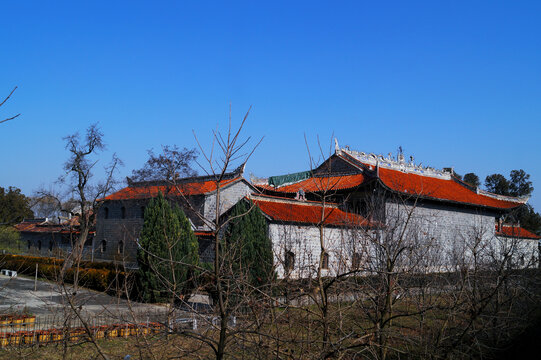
{"x":431,"y":198}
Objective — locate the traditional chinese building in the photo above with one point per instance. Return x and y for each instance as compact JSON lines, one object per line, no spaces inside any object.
{"x":432,"y":207}
{"x":45,"y":237}
{"x":296,"y":228}
{"x":358,"y":199}
{"x":120,"y":217}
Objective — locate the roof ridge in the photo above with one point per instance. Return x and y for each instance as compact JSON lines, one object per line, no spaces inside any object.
{"x":515,"y":199}
{"x":192,"y":179}
{"x":289,"y":200}
{"x":397,"y":165}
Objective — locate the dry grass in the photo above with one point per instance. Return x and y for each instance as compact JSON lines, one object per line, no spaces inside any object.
{"x":158,"y":347}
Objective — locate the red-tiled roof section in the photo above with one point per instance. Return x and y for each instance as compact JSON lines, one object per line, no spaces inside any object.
{"x":320,"y":184}
{"x":36,"y":227}
{"x":308,"y":212}
{"x":203,"y":233}
{"x":442,"y":189}
{"x":187,"y":189}
{"x":47,"y":228}
{"x":516,"y":232}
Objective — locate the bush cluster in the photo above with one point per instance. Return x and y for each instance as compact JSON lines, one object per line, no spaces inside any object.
{"x":98,"y":276}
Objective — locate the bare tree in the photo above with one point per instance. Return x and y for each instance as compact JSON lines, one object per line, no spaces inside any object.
{"x":226,"y":279}
{"x":78,"y":195}
{"x":4,"y":101}
{"x":79,"y":186}
{"x":228,"y":149}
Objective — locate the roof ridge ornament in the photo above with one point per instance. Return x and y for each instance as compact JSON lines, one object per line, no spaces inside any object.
{"x":399,"y":164}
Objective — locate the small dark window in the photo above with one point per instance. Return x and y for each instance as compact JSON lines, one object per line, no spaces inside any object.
{"x":142,"y":212}
{"x":29,"y":244}
{"x":39,"y":244}
{"x":325,"y":262}
{"x":363,"y":208}
{"x":50,"y":245}
{"x":106,"y":213}
{"x":120,"y":247}
{"x":103,"y":246}
{"x":289,"y":263}
{"x":123,"y":212}
{"x":356,"y":261}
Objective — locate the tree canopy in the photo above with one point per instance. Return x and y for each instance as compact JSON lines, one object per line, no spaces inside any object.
{"x":14,"y":206}
{"x":472,"y":179}
{"x":518,"y":184}
{"x":248,"y":233}
{"x":497,"y":184}
{"x":171,"y":164}
{"x":10,"y":240}
{"x":168,"y":252}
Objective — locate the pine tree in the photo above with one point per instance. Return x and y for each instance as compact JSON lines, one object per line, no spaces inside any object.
{"x":248,"y":233}
{"x":167,"y":254}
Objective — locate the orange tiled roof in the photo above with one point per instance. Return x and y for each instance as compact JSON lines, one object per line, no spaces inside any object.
{"x":306,"y":212}
{"x":186,"y":189}
{"x":441,"y":189}
{"x":36,"y":227}
{"x":317,"y":184}
{"x":203,"y":233}
{"x":516,"y":232}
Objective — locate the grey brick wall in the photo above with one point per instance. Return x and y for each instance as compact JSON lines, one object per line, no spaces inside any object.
{"x":447,"y":229}
{"x":122,"y":221}
{"x":229,"y":196}
{"x":119,"y":231}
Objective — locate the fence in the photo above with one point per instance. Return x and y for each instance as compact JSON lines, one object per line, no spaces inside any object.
{"x":14,"y":323}
{"x":18,"y":330}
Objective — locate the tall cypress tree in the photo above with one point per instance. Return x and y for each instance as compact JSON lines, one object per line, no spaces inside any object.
{"x":168,"y":250}
{"x":248,"y":232}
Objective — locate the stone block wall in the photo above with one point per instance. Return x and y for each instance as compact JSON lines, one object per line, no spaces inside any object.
{"x":523,"y":253}
{"x":117,"y":229}
{"x":448,"y":231}
{"x":303,"y":241}
{"x":229,"y":196}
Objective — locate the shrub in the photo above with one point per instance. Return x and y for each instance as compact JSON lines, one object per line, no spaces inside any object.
{"x":101,"y":277}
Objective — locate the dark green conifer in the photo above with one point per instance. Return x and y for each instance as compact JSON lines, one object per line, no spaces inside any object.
{"x":168,"y":251}
{"x":248,"y":233}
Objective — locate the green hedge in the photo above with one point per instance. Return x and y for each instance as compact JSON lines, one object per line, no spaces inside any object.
{"x":97,"y":276}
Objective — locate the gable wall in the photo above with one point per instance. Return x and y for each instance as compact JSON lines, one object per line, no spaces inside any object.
{"x":115,"y":228}
{"x":229,"y":196}
{"x":337,"y":166}
{"x":304,"y":242}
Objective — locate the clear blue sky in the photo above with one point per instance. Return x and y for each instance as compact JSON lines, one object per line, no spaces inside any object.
{"x":453,"y":83}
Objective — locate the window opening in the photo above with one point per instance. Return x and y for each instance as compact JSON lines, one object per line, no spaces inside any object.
{"x":289,"y":261}
{"x":356,"y":261}
{"x":325,"y":262}
{"x":121,"y":247}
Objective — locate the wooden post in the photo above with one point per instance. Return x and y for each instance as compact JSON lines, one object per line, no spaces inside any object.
{"x":36,"y":279}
